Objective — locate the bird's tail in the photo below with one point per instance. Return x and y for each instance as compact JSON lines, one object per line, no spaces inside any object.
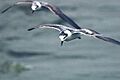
{"x":108,"y":39}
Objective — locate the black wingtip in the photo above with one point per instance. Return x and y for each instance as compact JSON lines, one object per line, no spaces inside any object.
{"x":30,"y":29}
{"x":3,"y":11}
{"x":109,"y":40}
{"x":6,"y":9}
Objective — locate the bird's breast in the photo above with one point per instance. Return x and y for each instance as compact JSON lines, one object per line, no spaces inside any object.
{"x":72,"y":37}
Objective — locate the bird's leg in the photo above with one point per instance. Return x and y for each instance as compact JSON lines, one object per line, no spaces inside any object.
{"x":62,"y":43}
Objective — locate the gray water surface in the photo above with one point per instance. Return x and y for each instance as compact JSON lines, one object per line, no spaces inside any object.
{"x":40,"y":50}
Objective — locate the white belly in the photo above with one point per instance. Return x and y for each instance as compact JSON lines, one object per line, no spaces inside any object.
{"x":73,"y":36}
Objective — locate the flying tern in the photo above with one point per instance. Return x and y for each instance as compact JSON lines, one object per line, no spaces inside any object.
{"x":68,"y":34}
{"x":37,"y":5}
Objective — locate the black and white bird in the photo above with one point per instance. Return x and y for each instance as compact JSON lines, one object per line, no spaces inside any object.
{"x":68,"y":34}
{"x":37,"y":5}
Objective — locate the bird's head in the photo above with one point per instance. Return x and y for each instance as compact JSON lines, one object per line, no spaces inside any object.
{"x":37,"y":5}
{"x":64,"y":35}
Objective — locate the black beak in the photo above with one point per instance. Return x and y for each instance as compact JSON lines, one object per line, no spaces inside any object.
{"x":79,"y":37}
{"x":33,"y":12}
{"x":62,"y":43}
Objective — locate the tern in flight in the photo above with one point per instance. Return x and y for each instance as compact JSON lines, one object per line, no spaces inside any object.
{"x":68,"y":34}
{"x":37,"y":5}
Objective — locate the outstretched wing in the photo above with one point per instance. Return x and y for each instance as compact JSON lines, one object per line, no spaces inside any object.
{"x":95,"y":34}
{"x":53,"y":26}
{"x":17,"y":3}
{"x":108,"y":39}
{"x":88,"y":32}
{"x":58,"y":12}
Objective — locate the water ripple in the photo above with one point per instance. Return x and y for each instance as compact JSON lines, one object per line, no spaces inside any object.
{"x":75,"y":57}
{"x":20,"y":54}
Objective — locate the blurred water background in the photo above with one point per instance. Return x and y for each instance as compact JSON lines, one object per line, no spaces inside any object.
{"x":37,"y":55}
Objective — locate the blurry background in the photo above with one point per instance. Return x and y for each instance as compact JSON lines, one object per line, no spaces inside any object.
{"x":37,"y":55}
